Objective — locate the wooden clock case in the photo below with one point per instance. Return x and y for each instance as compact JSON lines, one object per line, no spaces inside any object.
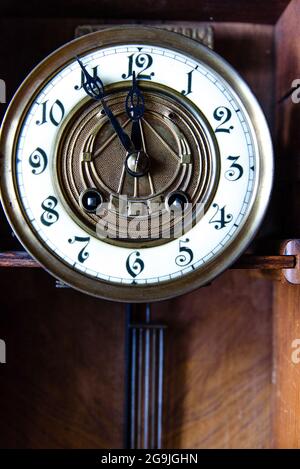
{"x":230,"y":380}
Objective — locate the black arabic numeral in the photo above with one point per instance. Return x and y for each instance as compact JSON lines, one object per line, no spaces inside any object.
{"x":82,"y":77}
{"x":220,"y":219}
{"x":189,"y":84}
{"x":83,"y":254}
{"x":38,"y":161}
{"x":186,"y":254}
{"x":50,"y":215}
{"x":142,"y":61}
{"x":223,"y":114}
{"x":134,"y":264}
{"x":55,"y":114}
{"x":236,"y":170}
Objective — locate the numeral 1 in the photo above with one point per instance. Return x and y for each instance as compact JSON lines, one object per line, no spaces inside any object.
{"x":189,"y":84}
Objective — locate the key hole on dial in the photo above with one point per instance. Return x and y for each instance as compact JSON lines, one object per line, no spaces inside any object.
{"x":90,"y":200}
{"x":177,"y":201}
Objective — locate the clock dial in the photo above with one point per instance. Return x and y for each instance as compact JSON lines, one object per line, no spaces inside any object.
{"x":136,"y":208}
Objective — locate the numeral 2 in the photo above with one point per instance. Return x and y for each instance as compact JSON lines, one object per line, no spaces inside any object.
{"x":223,"y":114}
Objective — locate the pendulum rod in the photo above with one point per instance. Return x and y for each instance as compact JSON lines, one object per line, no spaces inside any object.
{"x":145,"y":348}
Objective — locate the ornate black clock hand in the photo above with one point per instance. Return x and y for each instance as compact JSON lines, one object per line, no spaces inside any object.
{"x":137,"y":163}
{"x":94,"y":88}
{"x":135,"y":108}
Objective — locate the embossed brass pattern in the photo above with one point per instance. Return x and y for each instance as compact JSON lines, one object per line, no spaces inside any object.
{"x":202,"y":33}
{"x":183,"y":157}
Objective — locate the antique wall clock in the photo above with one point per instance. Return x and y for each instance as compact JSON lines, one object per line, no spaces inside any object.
{"x":136,"y":164}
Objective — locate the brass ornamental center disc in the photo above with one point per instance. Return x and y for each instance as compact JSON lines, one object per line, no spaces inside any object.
{"x":179,"y":147}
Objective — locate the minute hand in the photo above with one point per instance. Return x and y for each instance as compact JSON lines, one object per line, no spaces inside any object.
{"x":94,"y":88}
{"x":124,"y":138}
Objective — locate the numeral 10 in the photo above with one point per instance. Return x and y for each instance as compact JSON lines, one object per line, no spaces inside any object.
{"x":54,"y":113}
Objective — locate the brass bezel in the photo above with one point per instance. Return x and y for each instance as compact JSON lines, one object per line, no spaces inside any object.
{"x":11,"y":127}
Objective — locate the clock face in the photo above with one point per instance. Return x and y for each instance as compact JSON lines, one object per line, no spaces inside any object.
{"x":166,"y":214}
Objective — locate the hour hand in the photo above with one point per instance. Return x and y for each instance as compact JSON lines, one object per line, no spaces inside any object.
{"x":136,"y":135}
{"x":135,"y":108}
{"x":94,"y":88}
{"x":137,"y":162}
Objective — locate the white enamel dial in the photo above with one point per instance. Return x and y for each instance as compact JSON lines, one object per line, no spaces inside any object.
{"x":233,"y":199}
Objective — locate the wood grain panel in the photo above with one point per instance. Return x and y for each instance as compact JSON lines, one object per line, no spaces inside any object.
{"x":63,"y":383}
{"x":196,"y":10}
{"x":219,"y":365}
{"x":286,"y":374}
{"x":286,"y":428}
{"x":287,"y":122}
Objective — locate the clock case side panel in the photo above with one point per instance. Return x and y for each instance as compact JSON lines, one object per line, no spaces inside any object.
{"x":286,"y":303}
